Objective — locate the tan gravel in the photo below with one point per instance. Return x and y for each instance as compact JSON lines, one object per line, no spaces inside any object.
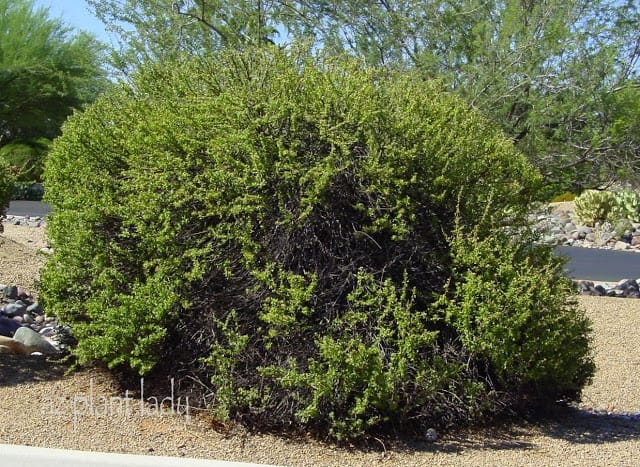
{"x":43,"y":406}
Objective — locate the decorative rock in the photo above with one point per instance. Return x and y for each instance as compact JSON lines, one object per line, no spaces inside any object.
{"x":619,"y":245}
{"x":431,"y":435}
{"x":635,"y":240}
{"x":46,"y":331}
{"x":22,"y":293}
{"x":11,"y":291}
{"x":27,"y":318}
{"x":34,"y":341}
{"x":8,"y":326}
{"x":626,"y":283}
{"x":34,"y":308}
{"x":601,"y":290}
{"x":14,"y":309}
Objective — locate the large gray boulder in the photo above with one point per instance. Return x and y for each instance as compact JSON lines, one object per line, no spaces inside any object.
{"x":34,"y":341}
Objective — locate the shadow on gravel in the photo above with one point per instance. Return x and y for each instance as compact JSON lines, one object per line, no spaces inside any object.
{"x":585,"y":427}
{"x":18,"y":369}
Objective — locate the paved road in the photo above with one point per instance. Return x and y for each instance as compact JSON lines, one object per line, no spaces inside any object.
{"x":601,"y":265}
{"x":28,"y":208}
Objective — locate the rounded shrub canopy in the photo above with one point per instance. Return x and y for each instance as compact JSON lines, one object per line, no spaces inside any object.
{"x":289,"y":231}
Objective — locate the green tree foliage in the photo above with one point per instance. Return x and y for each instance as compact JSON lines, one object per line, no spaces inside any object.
{"x":546,"y":71}
{"x":282,"y":229}
{"x":27,"y":157}
{"x":7,"y":179}
{"x":165,"y":29}
{"x":46,"y":71}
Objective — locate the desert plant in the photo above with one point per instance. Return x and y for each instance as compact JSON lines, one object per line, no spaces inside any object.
{"x":594,"y":206}
{"x":284,"y":221}
{"x":7,"y":180}
{"x":516,"y":294}
{"x":28,"y":156}
{"x":626,"y":205}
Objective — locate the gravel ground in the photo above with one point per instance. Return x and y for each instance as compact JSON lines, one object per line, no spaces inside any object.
{"x":44,"y":406}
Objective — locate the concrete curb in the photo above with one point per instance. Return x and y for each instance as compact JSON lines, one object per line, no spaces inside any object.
{"x":29,"y":456}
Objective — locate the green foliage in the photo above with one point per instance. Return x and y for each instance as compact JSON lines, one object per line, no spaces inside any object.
{"x":165,"y":29}
{"x":514,"y":309}
{"x":626,"y":205}
{"x":28,"y":157}
{"x":277,"y":226}
{"x":594,"y":206}
{"x":7,"y":180}
{"x":599,"y":205}
{"x":46,"y":71}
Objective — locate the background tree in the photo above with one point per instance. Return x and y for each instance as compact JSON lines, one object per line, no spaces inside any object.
{"x":46,"y":71}
{"x":544,"y":71}
{"x":164,"y":29}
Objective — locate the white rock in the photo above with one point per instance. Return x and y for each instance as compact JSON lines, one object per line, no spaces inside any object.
{"x":621,"y":246}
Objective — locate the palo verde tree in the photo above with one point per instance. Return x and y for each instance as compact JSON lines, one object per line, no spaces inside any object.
{"x":544,"y":71}
{"x":46,"y":71}
{"x":166,"y":29}
{"x":320,"y":244}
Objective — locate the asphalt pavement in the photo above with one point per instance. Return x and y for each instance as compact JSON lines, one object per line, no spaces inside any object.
{"x":600,"y":265}
{"x":28,"y":208}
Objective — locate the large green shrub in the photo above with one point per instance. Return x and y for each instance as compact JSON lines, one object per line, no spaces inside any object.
{"x":279,"y":228}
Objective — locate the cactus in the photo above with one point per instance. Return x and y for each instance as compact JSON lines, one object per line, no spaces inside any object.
{"x":626,"y":205}
{"x":594,"y":206}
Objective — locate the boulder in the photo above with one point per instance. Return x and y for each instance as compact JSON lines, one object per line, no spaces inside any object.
{"x":14,"y":309}
{"x":11,"y":292}
{"x":8,"y":326}
{"x":621,"y":246}
{"x":34,"y":341}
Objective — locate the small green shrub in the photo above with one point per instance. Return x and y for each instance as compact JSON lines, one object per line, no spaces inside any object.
{"x":626,"y":205}
{"x":278,"y":227}
{"x":515,"y":310}
{"x":594,"y":206}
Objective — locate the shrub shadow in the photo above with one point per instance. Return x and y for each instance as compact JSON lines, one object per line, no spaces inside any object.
{"x":19,"y":369}
{"x":578,"y":426}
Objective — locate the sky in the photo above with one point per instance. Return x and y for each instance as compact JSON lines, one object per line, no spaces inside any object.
{"x":75,"y":13}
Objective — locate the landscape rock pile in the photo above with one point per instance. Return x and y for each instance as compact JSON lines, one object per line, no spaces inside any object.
{"x":626,"y":288}
{"x":25,"y":329}
{"x":563,"y":228}
{"x":31,"y":221}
